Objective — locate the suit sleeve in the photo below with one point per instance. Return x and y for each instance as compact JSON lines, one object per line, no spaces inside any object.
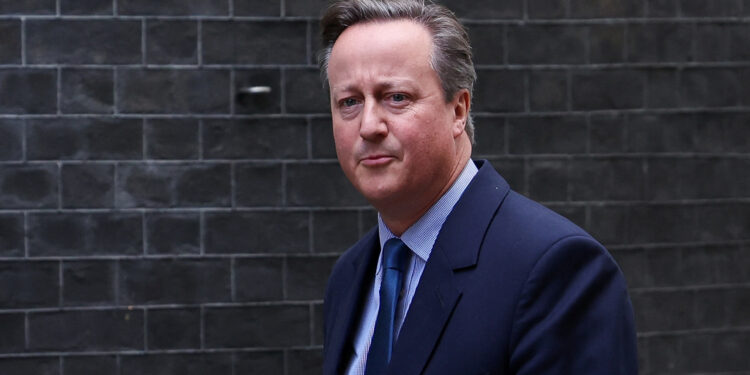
{"x":574,"y":315}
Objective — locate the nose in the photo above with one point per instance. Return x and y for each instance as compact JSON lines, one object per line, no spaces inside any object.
{"x":372,"y":125}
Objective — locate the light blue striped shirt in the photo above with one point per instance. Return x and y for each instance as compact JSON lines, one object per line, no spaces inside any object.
{"x":420,"y":237}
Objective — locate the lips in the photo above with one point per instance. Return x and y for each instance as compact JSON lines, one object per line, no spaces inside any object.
{"x":376,"y":160}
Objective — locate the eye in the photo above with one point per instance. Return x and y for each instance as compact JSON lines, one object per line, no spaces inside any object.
{"x":349,"y":102}
{"x":398,"y":97}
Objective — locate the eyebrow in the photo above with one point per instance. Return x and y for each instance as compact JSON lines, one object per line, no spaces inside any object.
{"x":384,"y":85}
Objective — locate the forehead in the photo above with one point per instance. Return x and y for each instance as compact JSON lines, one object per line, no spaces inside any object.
{"x":382,"y":46}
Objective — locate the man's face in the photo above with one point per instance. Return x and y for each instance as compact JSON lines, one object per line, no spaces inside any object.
{"x":396,"y":137}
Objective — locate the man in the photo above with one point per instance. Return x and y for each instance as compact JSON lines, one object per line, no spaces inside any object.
{"x":462,"y":275}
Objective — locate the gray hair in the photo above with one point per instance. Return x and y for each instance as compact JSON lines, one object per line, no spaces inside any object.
{"x":451,"y":54}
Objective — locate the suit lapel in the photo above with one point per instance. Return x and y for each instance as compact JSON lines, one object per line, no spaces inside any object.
{"x":456,"y":250}
{"x":346,"y":312}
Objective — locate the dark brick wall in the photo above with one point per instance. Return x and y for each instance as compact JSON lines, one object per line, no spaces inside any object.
{"x":154,"y":220}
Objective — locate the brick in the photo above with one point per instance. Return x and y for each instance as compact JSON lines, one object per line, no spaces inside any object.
{"x":257,"y":326}
{"x":270,"y":8}
{"x":84,"y":139}
{"x":607,"y":89}
{"x":368,"y":219}
{"x":485,"y":8}
{"x":246,"y":103}
{"x":304,"y":91}
{"x":305,"y":360}
{"x":608,"y":133}
{"x":86,"y":7}
{"x":11,"y":139}
{"x":607,"y":179}
{"x":666,"y":133}
{"x":10,"y":42}
{"x":171,"y":42}
{"x":548,"y":90}
{"x":513,"y":171}
{"x":609,"y":224}
{"x":546,"y":44}
{"x":30,"y":365}
{"x":488,"y":43}
{"x":607,"y":43}
{"x":88,"y":283}
{"x":548,"y":179}
{"x":323,"y":146}
{"x":256,"y":42}
{"x":738,"y":303}
{"x":663,"y":311}
{"x":27,"y":7}
{"x":13,"y":338}
{"x":633,"y":264}
{"x":660,"y":223}
{"x":711,"y":87}
{"x":172,"y":233}
{"x":334,"y":231}
{"x":546,"y":8}
{"x":709,"y":308}
{"x":489,"y":135}
{"x":606,"y":9}
{"x":28,"y":186}
{"x":721,"y":222}
{"x":173,"y":7}
{"x":116,"y":329}
{"x":320,"y":184}
{"x":547,"y":135}
{"x":258,"y":184}
{"x":257,"y":232}
{"x":716,"y":264}
{"x":87,"y":91}
{"x":165,"y":281}
{"x":173,"y":329}
{"x":82,"y":365}
{"x":259,"y":279}
{"x":260,"y":362}
{"x":663,"y":267}
{"x":83,"y":42}
{"x":159,"y":185}
{"x":318,"y":324}
{"x":672,"y":45}
{"x":201,"y":91}
{"x":662,"y":8}
{"x":306,"y":277}
{"x":499,"y":91}
{"x":172,"y":138}
{"x":188,"y":364}
{"x":28,"y":91}
{"x":695,"y":178}
{"x":662,"y":88}
{"x":255,"y":139}
{"x":88,"y":185}
{"x":305,"y":8}
{"x":70,"y":234}
{"x":710,"y":8}
{"x":722,"y":42}
{"x":665,"y":354}
{"x":11,"y":235}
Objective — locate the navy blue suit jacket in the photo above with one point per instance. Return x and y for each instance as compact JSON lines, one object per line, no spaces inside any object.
{"x":510,"y":288}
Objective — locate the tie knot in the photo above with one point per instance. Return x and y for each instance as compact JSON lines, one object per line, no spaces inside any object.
{"x":395,"y":254}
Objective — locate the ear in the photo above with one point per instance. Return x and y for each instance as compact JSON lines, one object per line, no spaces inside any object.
{"x":460,"y":104}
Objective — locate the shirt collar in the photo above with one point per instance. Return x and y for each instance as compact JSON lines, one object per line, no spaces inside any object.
{"x":421,"y":236}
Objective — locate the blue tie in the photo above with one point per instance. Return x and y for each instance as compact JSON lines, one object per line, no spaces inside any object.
{"x":395,"y":257}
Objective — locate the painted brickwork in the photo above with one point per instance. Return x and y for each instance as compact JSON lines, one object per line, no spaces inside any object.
{"x":153,"y":221}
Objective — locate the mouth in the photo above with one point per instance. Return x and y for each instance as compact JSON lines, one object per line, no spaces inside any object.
{"x":376,"y":160}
